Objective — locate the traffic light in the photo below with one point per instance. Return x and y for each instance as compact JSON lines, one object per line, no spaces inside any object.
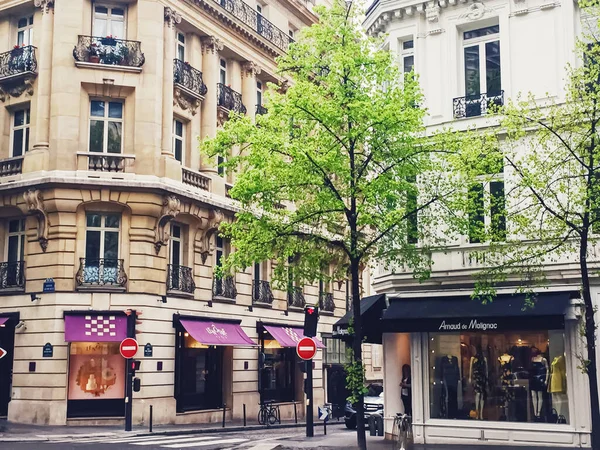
{"x":311,"y":317}
{"x":137,"y":385}
{"x":135,"y":365}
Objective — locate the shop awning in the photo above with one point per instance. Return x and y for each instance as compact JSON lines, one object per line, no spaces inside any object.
{"x":3,"y":320}
{"x":461,"y":313}
{"x":214,"y":332}
{"x":288,"y":336}
{"x":371,"y":309}
{"x":95,"y":327}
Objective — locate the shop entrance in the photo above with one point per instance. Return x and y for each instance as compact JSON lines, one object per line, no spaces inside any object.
{"x":337,"y":392}
{"x":7,"y":342}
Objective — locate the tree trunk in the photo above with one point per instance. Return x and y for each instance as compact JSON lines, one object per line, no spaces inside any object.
{"x":590,"y":337}
{"x":357,"y":348}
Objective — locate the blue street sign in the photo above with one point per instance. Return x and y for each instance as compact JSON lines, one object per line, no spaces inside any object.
{"x":49,"y":285}
{"x":323,"y":413}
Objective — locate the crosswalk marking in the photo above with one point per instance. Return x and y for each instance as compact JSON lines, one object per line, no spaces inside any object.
{"x":167,"y":440}
{"x":164,"y":441}
{"x":205,"y":443}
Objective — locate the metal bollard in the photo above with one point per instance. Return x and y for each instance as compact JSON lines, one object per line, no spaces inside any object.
{"x":244,"y":414}
{"x":295,"y":413}
{"x":150,"y":421}
{"x":224,"y":406}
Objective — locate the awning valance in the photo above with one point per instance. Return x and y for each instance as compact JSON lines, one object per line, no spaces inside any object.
{"x":95,"y":327}
{"x":462,"y":313}
{"x":371,"y":309}
{"x":288,"y":336}
{"x":215,"y":332}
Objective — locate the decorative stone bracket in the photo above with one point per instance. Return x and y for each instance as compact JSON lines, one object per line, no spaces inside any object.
{"x":35,"y":205}
{"x":170,"y":209}
{"x":206,"y":246}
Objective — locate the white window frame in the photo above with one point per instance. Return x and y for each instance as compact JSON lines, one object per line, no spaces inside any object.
{"x":27,"y":31}
{"x":109,"y":18}
{"x":25,"y":127}
{"x":259,"y":92}
{"x":223,"y":71}
{"x":479,"y":42}
{"x":20,"y":233}
{"x":103,"y":229}
{"x":179,"y":138}
{"x":406,"y":53}
{"x":291,"y":33}
{"x":179,"y":44}
{"x":106,"y":120}
{"x":173,"y":238}
{"x":486,"y":181}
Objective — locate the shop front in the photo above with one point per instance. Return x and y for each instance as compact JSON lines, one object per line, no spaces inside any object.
{"x":501,"y":373}
{"x":8,"y":322}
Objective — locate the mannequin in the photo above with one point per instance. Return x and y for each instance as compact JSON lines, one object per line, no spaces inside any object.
{"x":558,"y":385}
{"x":451,"y":378}
{"x":506,"y":381}
{"x":478,"y":377}
{"x":538,"y":381}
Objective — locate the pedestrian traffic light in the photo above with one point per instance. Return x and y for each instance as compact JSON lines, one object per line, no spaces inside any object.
{"x":311,"y":317}
{"x":135,"y":365}
{"x":137,"y":385}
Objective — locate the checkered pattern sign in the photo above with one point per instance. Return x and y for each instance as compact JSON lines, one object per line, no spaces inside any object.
{"x":100,"y":326}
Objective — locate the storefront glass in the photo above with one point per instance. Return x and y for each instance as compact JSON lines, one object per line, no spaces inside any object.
{"x":277,"y":380}
{"x":498,"y":376}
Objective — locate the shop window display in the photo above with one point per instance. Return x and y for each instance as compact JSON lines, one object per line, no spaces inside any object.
{"x":495,"y":376}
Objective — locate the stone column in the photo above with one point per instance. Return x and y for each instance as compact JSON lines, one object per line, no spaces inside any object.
{"x":210,"y":72}
{"x":249,"y":72}
{"x":172,"y":18}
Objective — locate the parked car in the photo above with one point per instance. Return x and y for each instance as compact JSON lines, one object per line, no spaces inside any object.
{"x":373,"y":404}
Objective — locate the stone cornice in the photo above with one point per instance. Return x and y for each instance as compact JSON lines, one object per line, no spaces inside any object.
{"x":300,"y":9}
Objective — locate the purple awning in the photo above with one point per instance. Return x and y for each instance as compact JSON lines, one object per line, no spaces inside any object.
{"x":3,"y":320}
{"x":289,"y":337}
{"x":213,"y":332}
{"x":95,"y":328}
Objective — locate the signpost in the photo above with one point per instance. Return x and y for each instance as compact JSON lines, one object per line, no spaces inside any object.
{"x":3,"y":353}
{"x":128,"y":348}
{"x":324,"y":412}
{"x":306,"y":350}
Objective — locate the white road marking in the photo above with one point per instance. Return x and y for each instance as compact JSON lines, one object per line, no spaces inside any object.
{"x":158,"y":439}
{"x":205,"y":443}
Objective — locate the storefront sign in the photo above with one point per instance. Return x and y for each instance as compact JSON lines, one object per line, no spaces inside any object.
{"x":148,"y":350}
{"x":468,"y":325}
{"x":48,"y":351}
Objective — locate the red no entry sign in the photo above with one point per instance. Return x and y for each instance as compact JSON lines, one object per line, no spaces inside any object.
{"x":306,"y":348}
{"x":3,"y":353}
{"x":128,"y":348}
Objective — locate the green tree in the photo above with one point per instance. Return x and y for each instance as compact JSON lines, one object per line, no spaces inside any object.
{"x":337,"y":172}
{"x":551,"y":152}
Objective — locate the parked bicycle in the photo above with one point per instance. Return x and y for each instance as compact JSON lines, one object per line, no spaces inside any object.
{"x":402,"y":435}
{"x":268,"y":414}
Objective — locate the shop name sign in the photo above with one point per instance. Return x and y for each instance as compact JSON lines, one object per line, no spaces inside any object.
{"x":472,"y":324}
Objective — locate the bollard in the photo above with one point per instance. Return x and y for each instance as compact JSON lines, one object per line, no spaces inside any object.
{"x":372,"y":426}
{"x":244,"y":414}
{"x":150,"y":421}
{"x":325,"y":427}
{"x":295,"y":413}
{"x":224,"y":406}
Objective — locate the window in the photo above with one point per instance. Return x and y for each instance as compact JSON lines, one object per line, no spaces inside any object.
{"x":25,"y":31}
{"x":481,"y":69}
{"x":499,"y":376}
{"x":259,"y":18}
{"x":278,"y":372}
{"x":109,"y":21}
{"x":223,"y":71}
{"x":220,"y":167}
{"x":102,"y":248}
{"x":15,"y":248}
{"x":20,"y":132}
{"x":336,"y":351}
{"x":291,"y":33}
{"x":176,"y":250}
{"x":412,"y":221}
{"x":259,"y":93}
{"x":180,"y":46}
{"x":407,"y":55}
{"x":106,"y":126}
{"x":178,"y":130}
{"x":376,"y":356}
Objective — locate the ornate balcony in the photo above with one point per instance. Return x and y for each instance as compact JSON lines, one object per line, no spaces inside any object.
{"x":260,"y":109}
{"x":476,"y":105}
{"x":229,"y":99}
{"x":296,"y":297}
{"x":11,"y":166}
{"x":180,"y":279}
{"x":101,"y":274}
{"x":195,"y":179}
{"x":326,"y":302}
{"x":261,"y":292}
{"x":189,"y":79}
{"x":18,"y":69}
{"x":12,"y":275}
{"x":224,"y":288}
{"x":108,"y":51}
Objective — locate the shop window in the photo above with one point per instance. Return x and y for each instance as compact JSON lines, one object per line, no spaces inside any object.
{"x":278,"y":373}
{"x":109,"y":21}
{"x":102,"y":248}
{"x":19,"y":132}
{"x":494,"y":376}
{"x":178,"y":139}
{"x":106,"y":126}
{"x":25,"y":31}
{"x":96,"y":380}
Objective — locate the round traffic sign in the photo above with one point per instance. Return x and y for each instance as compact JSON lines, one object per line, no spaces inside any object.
{"x":306,"y":348}
{"x":128,"y":348}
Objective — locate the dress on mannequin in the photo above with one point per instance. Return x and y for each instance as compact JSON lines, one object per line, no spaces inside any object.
{"x":479,"y":371}
{"x":451,"y":378}
{"x":507,"y":382}
{"x":558,"y":385}
{"x":538,"y":381}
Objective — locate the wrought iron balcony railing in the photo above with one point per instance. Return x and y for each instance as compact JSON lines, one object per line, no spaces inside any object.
{"x":476,"y":105}
{"x":18,"y":61}
{"x":12,"y":275}
{"x":248,"y":15}
{"x":11,"y":166}
{"x":224,"y":287}
{"x":195,"y":179}
{"x":260,"y":109}
{"x":296,"y":297}
{"x":261,"y":292}
{"x":189,"y":78}
{"x":230,"y":99}
{"x":101,"y":273}
{"x":109,"y":51}
{"x":326,"y":302}
{"x":180,"y":278}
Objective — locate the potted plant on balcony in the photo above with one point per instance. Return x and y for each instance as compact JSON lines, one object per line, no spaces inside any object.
{"x":17,"y":62}
{"x":94,"y":56}
{"x":123,"y":54}
{"x":108,"y":40}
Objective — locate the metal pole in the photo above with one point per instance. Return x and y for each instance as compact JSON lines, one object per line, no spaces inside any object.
{"x":325,"y":427}
{"x":150,"y":423}
{"x":128,"y":396}
{"x":310,"y":432}
{"x":295,"y":413}
{"x":224,"y":406}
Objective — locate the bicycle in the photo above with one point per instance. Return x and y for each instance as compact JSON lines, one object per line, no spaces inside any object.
{"x":402,"y":432}
{"x":268,"y":414}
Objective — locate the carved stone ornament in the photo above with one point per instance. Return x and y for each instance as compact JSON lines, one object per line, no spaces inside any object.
{"x":35,"y":204}
{"x":172,"y":17}
{"x":250,"y":69}
{"x":185,"y":102}
{"x":45,"y":5}
{"x":432,"y":12}
{"x":17,"y":88}
{"x":475,"y":12}
{"x":211,"y":44}
{"x":215,"y":218}
{"x":170,"y":209}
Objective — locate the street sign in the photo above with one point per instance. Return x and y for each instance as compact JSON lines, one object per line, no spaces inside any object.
{"x":128,"y":348}
{"x":3,"y":353}
{"x":48,"y":350}
{"x":323,"y":413}
{"x":49,"y":285}
{"x":306,"y":348}
{"x":148,"y":350}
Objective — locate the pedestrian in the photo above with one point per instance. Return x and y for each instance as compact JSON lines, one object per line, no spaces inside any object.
{"x":405,"y":391}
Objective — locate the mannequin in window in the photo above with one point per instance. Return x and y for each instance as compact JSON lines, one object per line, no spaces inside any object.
{"x":538,"y":380}
{"x":450,"y":380}
{"x":558,"y":384}
{"x":405,"y":390}
{"x":506,"y":381}
{"x":478,"y":377}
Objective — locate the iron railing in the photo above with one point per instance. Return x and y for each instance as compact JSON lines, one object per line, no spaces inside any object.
{"x":103,"y":273}
{"x":476,"y":105}
{"x":109,"y":51}
{"x":18,"y":61}
{"x":180,"y":278}
{"x":261,"y":292}
{"x":106,"y":163}
{"x":248,"y":15}
{"x":11,"y":166}
{"x":326,"y":302}
{"x":12,"y":275}
{"x":230,"y":99}
{"x":224,"y":287}
{"x":195,"y":179}
{"x":260,"y":109}
{"x":296,"y":297}
{"x":189,"y":78}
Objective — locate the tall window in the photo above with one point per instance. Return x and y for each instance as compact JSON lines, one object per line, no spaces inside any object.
{"x":101,"y":247}
{"x":106,"y":126}
{"x":259,"y":93}
{"x":109,"y":21}
{"x":259,"y":18}
{"x":176,"y":253}
{"x":223,"y":71}
{"x":180,"y":46}
{"x":20,"y":132}
{"x":412,"y":220}
{"x":178,"y":140}
{"x":25,"y":31}
{"x":407,"y":54}
{"x":15,"y":248}
{"x":278,"y":373}
{"x":291,"y":33}
{"x":221,"y":250}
